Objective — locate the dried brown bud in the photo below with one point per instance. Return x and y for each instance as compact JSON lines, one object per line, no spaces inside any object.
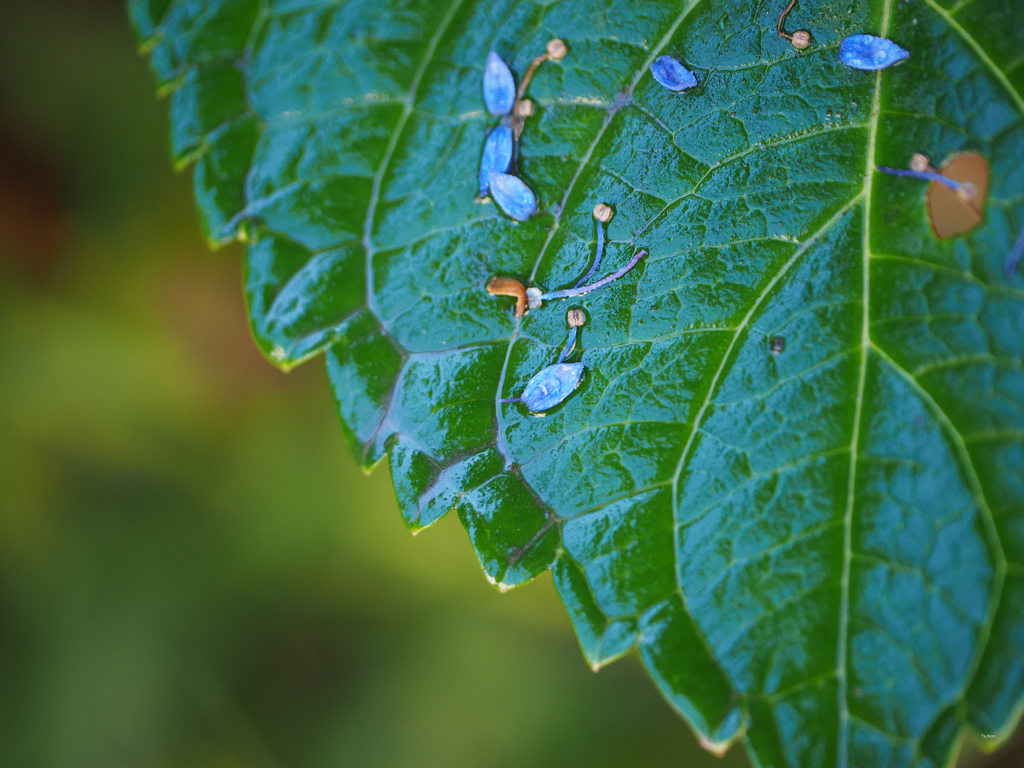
{"x":557,"y":49}
{"x":509,"y":286}
{"x":603,"y":213}
{"x":801,"y":39}
{"x":920,"y":162}
{"x":524,"y":108}
{"x":576,"y":318}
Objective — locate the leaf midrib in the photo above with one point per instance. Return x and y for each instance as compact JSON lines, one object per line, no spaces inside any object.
{"x":947,"y":426}
{"x":842,"y":740}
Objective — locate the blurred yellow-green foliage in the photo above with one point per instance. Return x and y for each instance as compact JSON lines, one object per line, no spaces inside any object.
{"x":193,"y":572}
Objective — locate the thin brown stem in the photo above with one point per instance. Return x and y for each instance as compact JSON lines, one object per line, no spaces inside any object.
{"x":517,"y":118}
{"x":782,"y":20}
{"x":524,"y":84}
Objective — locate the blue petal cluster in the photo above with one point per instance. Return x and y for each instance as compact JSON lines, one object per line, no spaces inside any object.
{"x":551,"y":385}
{"x":496,"y":162}
{"x":499,"y":86}
{"x":671,"y":74}
{"x":870,"y":52}
{"x":497,"y":156}
{"x":513,"y":196}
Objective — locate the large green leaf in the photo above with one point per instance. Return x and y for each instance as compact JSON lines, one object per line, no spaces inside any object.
{"x":821,"y":549}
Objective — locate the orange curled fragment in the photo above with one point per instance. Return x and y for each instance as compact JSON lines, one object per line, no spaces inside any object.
{"x":509,"y":286}
{"x":953,"y":213}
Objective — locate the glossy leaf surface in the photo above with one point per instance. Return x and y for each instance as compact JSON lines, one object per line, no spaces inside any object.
{"x":820,"y":549}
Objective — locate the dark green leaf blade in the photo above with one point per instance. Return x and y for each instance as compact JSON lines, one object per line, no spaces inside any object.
{"x":817,"y":548}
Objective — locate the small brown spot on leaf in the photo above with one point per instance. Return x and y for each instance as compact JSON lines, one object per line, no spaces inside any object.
{"x":951,"y":213}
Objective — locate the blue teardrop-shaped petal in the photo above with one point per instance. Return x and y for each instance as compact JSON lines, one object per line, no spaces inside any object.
{"x":551,"y":386}
{"x":513,"y":196}
{"x":497,"y":156}
{"x":870,"y":52}
{"x":499,"y":86}
{"x":671,"y":74}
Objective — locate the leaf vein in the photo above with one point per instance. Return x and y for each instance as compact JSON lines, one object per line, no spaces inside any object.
{"x":980,"y":52}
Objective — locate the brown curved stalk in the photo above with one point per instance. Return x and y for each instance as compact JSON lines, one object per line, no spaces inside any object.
{"x":517,"y":118}
{"x":509,"y":286}
{"x":782,"y":20}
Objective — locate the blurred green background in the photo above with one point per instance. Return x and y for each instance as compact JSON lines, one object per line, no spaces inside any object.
{"x":193,"y":571}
